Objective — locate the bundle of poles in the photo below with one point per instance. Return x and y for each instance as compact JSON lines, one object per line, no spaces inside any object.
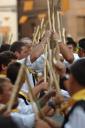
{"x":51,"y":53}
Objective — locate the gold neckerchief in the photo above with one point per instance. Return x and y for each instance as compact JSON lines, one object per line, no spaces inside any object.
{"x":80,"y":95}
{"x":2,"y":75}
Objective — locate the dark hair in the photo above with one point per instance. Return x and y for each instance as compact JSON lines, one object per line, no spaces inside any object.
{"x":2,"y":80}
{"x":82,"y":43}
{"x":5,"y":58}
{"x":12,"y":71}
{"x":4,"y":47}
{"x":78,"y":71}
{"x":70,"y":41}
{"x":16,"y":46}
{"x":7,"y":122}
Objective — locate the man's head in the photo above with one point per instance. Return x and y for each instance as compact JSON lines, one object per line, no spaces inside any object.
{"x":4,"y":47}
{"x":12,"y":71}
{"x":71,"y":44}
{"x":28,"y":42}
{"x":77,"y":76}
{"x":5,"y":58}
{"x":19,"y":49}
{"x":5,"y":90}
{"x":81,"y":51}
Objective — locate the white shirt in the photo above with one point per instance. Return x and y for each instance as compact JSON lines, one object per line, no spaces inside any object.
{"x":23,"y":108}
{"x":38,"y":65}
{"x":76,"y":119}
{"x":25,"y":117}
{"x":24,"y":121}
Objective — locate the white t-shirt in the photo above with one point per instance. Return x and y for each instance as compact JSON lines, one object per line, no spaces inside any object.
{"x":38,"y":65}
{"x":76,"y":119}
{"x":24,"y":121}
{"x":25,"y":116}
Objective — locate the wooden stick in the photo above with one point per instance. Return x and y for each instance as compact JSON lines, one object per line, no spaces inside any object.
{"x":50,"y":73}
{"x":49,"y":14}
{"x":36,"y":34}
{"x":53,"y":16}
{"x":45,"y":73}
{"x":33,"y":99}
{"x":15,"y":89}
{"x":50,"y":61}
{"x":54,"y":77}
{"x":64,"y":38}
{"x":42,"y":23}
{"x":59,"y":25}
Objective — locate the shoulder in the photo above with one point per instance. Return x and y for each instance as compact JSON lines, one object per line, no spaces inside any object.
{"x":77,"y":116}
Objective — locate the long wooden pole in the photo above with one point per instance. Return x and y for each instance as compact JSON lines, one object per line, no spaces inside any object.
{"x":49,"y":14}
{"x":16,"y":89}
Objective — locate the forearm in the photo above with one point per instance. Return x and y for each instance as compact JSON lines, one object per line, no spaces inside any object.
{"x":66,"y":53}
{"x":37,"y":52}
{"x":37,"y":89}
{"x":38,"y":49}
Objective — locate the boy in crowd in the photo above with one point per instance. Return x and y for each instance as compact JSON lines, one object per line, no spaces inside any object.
{"x":6,"y":57}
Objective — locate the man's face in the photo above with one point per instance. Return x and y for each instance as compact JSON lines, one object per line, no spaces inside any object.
{"x":81,"y":52}
{"x":70,"y":85}
{"x":7,"y":91}
{"x":23,"y":53}
{"x":71,"y":48}
{"x":29,"y":47}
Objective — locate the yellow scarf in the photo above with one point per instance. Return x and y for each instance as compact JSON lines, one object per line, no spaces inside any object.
{"x":80,"y":95}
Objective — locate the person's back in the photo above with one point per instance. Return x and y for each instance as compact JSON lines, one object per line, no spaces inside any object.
{"x":76,"y":88}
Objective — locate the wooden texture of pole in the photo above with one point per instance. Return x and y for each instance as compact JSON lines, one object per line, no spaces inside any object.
{"x":16,"y":89}
{"x":54,"y":77}
{"x":36,"y":34}
{"x":45,"y":73}
{"x":53,"y":16}
{"x":50,"y":61}
{"x":36,"y":107}
{"x":64,"y":38}
{"x":49,"y":14}
{"x":59,"y":26}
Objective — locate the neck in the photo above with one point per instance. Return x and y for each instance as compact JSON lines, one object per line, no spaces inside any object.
{"x":77,"y":89}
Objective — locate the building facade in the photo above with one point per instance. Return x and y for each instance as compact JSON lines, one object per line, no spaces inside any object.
{"x":75,"y":18}
{"x":8,"y":21}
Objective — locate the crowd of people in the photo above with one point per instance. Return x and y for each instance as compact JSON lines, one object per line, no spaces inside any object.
{"x":46,"y":108}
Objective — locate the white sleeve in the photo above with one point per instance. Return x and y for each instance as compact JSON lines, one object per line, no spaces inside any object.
{"x":27,"y":121}
{"x":76,"y":119}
